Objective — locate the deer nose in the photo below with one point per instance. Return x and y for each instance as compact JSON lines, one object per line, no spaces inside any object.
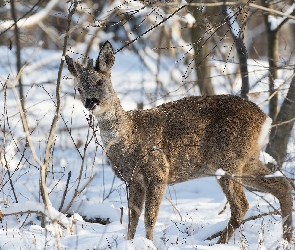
{"x":90,"y":104}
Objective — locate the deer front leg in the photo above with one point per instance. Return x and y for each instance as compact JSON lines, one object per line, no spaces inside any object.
{"x":154,"y":195}
{"x":135,"y":204}
{"x":156,"y":177}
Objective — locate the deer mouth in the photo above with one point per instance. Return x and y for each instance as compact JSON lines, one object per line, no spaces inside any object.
{"x":91,"y":104}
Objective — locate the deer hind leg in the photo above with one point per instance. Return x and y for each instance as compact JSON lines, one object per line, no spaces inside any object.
{"x":279,"y":187}
{"x":135,"y":205}
{"x":238,"y":206}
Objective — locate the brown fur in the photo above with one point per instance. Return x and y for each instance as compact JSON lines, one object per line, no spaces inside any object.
{"x":179,"y":141}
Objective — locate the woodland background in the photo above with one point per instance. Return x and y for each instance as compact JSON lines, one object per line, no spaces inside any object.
{"x":50,"y":157}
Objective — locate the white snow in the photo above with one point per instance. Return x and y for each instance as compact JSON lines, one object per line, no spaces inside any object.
{"x":276,"y":21}
{"x":234,"y":25}
{"x":275,"y":174}
{"x":138,"y":243}
{"x":219,"y":173}
{"x":265,"y":129}
{"x":266,"y":158}
{"x":190,"y":20}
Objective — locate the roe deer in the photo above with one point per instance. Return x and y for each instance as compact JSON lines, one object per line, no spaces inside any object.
{"x":179,"y":141}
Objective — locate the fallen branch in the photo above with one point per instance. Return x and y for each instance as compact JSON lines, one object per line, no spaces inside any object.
{"x":244,"y":221}
{"x":31,"y":207}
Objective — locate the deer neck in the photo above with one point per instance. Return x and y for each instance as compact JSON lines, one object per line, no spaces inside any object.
{"x":113,"y":123}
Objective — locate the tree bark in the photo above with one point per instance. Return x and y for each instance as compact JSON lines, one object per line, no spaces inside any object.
{"x":240,"y":48}
{"x":283,"y":119}
{"x":201,"y":52}
{"x":243,"y":64}
{"x":273,"y":57}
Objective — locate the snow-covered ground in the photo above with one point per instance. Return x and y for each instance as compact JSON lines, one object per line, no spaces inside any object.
{"x":189,"y":212}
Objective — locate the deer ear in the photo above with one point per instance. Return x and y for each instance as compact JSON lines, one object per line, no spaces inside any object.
{"x":106,"y":58}
{"x":71,"y":66}
{"x":90,"y":64}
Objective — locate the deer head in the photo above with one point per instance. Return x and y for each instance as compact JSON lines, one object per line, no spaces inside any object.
{"x":94,"y":83}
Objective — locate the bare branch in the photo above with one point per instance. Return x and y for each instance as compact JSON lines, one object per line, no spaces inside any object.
{"x":176,"y":209}
{"x":32,"y":20}
{"x":37,"y":208}
{"x":77,"y":193}
{"x":55,"y":119}
{"x":271,"y":11}
{"x":252,"y":5}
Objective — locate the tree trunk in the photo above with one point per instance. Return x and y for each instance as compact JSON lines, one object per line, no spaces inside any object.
{"x":201,"y":52}
{"x":273,"y":57}
{"x":18,"y":54}
{"x":240,"y":47}
{"x":281,"y":131}
{"x":273,"y":47}
{"x":243,"y":64}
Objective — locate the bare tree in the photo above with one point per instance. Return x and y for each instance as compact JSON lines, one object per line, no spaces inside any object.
{"x":272,"y":32}
{"x":281,"y":131}
{"x":18,"y":52}
{"x":201,"y":52}
{"x":237,"y":34}
{"x":279,"y":137}
{"x":273,"y":57}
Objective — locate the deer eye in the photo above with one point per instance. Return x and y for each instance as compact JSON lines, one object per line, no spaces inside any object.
{"x":99,"y":82}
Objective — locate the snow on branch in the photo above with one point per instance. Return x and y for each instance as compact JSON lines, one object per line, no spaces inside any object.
{"x":276,"y":22}
{"x":190,"y":20}
{"x":37,"y":208}
{"x":233,"y":24}
{"x":32,"y":20}
{"x":219,"y":173}
{"x":275,"y":174}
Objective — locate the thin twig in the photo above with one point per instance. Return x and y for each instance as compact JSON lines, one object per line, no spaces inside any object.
{"x":58,"y":106}
{"x":223,"y":209}
{"x":170,"y":201}
{"x":277,"y":90}
{"x":77,"y":193}
{"x":65,"y":192}
{"x":4,"y":142}
{"x":150,"y":29}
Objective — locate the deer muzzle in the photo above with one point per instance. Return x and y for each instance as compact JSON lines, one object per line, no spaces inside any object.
{"x":91,"y":104}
